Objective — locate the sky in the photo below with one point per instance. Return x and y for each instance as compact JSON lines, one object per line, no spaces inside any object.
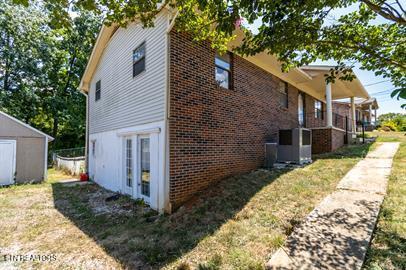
{"x":376,"y":86}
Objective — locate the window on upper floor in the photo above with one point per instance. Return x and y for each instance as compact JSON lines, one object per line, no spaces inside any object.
{"x":223,"y":70}
{"x":94,"y":148}
{"x":98,"y":90}
{"x":139,"y":60}
{"x":318,"y":109}
{"x":283,"y":94}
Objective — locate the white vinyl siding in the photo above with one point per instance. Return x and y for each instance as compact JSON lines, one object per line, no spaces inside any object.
{"x":129,"y":101}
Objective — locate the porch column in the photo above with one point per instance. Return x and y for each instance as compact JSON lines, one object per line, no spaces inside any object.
{"x":375,"y":117}
{"x":370,"y":113}
{"x":329,"y":106}
{"x":353,"y":117}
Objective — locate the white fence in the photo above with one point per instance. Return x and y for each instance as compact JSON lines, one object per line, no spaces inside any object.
{"x":74,"y":165}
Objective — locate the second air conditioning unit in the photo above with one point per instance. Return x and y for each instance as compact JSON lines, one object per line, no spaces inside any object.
{"x":295,"y":145}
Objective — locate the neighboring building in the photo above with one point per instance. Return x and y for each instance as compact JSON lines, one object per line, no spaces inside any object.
{"x":23,"y":152}
{"x":168,"y":116}
{"x":366,"y":112}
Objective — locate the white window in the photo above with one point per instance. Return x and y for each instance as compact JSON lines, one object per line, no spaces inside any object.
{"x":129,"y":162}
{"x":94,"y":148}
{"x":98,"y":90}
{"x":139,"y":60}
{"x":223,"y":70}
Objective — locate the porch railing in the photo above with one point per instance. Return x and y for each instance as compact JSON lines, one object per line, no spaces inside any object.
{"x":318,"y":119}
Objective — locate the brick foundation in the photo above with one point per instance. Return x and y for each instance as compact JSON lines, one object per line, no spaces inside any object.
{"x":326,"y":140}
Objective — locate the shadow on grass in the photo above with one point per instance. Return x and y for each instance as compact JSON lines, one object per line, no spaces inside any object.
{"x":347,"y":151}
{"x":139,"y":238}
{"x":388,"y":252}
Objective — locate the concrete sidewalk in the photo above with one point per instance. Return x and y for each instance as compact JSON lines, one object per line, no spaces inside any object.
{"x":336,"y":234}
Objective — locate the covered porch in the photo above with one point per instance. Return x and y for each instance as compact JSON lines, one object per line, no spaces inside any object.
{"x":330,"y":129}
{"x":333,"y":120}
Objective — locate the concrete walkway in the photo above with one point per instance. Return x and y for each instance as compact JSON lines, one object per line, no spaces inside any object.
{"x":336,"y":234}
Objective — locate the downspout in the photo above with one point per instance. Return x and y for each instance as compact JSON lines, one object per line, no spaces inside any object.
{"x":167,"y":204}
{"x":87,"y":132}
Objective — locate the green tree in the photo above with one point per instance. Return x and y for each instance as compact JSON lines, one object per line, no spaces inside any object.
{"x":297,"y":32}
{"x":395,"y":120}
{"x":41,"y":67}
{"x":20,"y":59}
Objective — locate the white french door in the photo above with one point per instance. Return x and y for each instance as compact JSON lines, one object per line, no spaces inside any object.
{"x":144,"y":168}
{"x":139,"y":170}
{"x":128,"y":165}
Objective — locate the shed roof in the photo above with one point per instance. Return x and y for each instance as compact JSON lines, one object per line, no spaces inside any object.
{"x":27,"y":126}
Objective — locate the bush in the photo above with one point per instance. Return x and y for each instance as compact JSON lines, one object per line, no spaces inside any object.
{"x":389,"y":125}
{"x":393,"y":122}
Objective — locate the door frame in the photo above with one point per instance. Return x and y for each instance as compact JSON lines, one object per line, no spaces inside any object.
{"x":126,"y":189}
{"x":14,"y":165}
{"x":157,"y":179}
{"x":138,"y":163}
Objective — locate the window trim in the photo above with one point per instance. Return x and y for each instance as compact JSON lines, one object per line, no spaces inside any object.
{"x":318,"y":113}
{"x":140,"y":59}
{"x":97,"y":94}
{"x":229,"y":71}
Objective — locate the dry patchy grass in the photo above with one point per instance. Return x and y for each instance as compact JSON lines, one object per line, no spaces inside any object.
{"x":388,"y":247}
{"x":57,"y":175}
{"x":236,"y":224}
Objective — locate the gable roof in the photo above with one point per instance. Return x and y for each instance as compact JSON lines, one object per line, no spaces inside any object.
{"x":308,"y":79}
{"x":27,"y":126}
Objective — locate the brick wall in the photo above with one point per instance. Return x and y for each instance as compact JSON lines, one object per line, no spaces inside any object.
{"x":326,"y":140}
{"x":338,"y":139}
{"x":342,"y":109}
{"x":215,"y":132}
{"x":311,"y":120}
{"x":321,"y":140}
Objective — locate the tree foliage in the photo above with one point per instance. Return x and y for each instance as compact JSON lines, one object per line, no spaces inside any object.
{"x":393,"y":121}
{"x":41,"y":67}
{"x":297,"y":32}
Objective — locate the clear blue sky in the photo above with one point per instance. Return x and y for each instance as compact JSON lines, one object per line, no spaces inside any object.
{"x":381,"y":91}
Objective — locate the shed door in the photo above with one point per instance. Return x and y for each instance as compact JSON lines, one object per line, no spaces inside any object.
{"x":7,"y":161}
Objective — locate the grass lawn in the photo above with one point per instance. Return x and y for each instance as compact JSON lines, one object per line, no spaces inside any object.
{"x":236,"y":224}
{"x":56,"y":175}
{"x":388,"y":247}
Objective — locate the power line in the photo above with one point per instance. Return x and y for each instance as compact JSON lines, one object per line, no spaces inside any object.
{"x":383,"y":92}
{"x":376,"y":83}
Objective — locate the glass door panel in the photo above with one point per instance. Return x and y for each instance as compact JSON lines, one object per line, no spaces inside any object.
{"x":145,"y":166}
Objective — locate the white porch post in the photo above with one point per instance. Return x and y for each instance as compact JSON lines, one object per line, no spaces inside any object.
{"x":353,"y":117}
{"x":329,"y":106}
{"x":370,"y":113}
{"x":375,"y":117}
